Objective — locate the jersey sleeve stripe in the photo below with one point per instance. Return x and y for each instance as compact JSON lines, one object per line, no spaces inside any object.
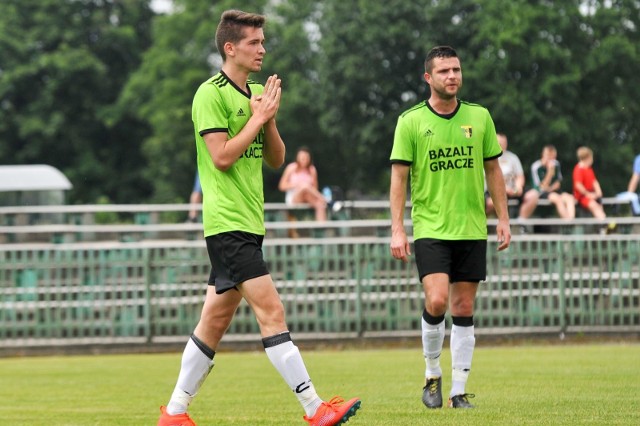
{"x":493,"y":158}
{"x":214,"y":130}
{"x":405,"y":162}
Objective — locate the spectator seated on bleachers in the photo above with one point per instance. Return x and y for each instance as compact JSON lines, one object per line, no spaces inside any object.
{"x":514,"y":181}
{"x":631,"y":195}
{"x":547,"y":180}
{"x":299,"y":182}
{"x":586,"y":188}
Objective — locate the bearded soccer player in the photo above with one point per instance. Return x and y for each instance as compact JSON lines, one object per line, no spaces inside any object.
{"x":446,"y":145}
{"x":235,"y":129}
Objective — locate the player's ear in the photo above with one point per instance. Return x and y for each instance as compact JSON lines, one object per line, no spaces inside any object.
{"x":229,"y":49}
{"x":427,"y":78}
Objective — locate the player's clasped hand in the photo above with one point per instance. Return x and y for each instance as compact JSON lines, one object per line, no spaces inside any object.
{"x":266,"y":105}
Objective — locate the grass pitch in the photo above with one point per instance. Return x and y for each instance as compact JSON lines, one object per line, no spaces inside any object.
{"x":524,"y":385}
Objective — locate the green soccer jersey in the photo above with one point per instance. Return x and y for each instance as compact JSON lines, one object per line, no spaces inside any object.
{"x":446,"y":155}
{"x":233,"y":200}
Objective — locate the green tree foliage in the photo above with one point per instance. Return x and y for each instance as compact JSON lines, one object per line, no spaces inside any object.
{"x":550,"y":72}
{"x":293,"y":54}
{"x":103,"y":90}
{"x":562,"y":73}
{"x":160,"y":94}
{"x":183,"y":56}
{"x":373,"y":54}
{"x":62,"y":64}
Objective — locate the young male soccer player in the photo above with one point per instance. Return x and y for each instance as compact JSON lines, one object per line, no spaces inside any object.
{"x":235,"y":129}
{"x":446,"y":144}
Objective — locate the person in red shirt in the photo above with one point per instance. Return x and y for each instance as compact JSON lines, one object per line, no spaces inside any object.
{"x":586,"y":188}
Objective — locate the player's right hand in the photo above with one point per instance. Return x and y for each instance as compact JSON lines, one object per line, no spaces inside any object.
{"x":265,"y":106}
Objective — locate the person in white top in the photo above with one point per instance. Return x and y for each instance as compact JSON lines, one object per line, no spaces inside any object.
{"x":631,"y":194}
{"x":514,"y":181}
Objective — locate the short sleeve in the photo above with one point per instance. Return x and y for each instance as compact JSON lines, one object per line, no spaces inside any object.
{"x":403,"y":142}
{"x":208,"y":111}
{"x":491,"y":147}
{"x":577,"y":175}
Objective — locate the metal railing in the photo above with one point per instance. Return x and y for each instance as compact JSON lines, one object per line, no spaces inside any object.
{"x":136,"y":222}
{"x":339,"y":287}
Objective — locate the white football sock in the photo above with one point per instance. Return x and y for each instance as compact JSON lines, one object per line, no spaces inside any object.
{"x":462,"y":345}
{"x":286,"y":358}
{"x":432,"y":341}
{"x":197,"y":362}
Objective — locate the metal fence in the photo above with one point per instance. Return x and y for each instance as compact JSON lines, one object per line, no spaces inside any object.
{"x":146,"y":292}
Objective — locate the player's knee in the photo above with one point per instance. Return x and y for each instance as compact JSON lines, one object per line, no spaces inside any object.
{"x":462,"y":307}
{"x":436,"y":304}
{"x":271,"y":317}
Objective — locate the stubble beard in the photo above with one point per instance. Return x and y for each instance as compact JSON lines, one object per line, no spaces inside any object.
{"x":444,"y":95}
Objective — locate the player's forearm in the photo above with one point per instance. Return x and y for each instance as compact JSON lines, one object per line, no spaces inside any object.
{"x":226,"y":155}
{"x":273,"y":150}
{"x":397,"y":212}
{"x":496,"y":186}
{"x":397,"y":200}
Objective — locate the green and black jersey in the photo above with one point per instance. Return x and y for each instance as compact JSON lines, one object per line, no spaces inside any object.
{"x":446,"y":155}
{"x":233,"y":200}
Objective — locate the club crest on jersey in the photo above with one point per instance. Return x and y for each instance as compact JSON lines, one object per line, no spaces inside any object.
{"x":467,"y":131}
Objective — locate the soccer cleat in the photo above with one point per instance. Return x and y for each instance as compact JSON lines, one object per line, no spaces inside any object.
{"x":432,"y":392}
{"x":177,"y":420}
{"x":334,"y":412}
{"x":461,"y":401}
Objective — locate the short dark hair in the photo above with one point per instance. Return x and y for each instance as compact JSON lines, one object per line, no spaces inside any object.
{"x":438,"y":52}
{"x":230,"y":28}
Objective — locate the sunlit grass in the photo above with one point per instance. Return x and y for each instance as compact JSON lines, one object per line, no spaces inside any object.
{"x":515,"y":385}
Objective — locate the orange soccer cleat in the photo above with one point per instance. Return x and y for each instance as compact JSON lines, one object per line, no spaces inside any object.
{"x":177,"y":420}
{"x":334,"y":412}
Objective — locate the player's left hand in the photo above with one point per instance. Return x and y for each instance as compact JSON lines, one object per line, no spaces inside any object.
{"x":503,"y":232}
{"x":265,"y":106}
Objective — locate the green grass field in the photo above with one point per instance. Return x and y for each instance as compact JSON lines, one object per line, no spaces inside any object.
{"x":530,"y":384}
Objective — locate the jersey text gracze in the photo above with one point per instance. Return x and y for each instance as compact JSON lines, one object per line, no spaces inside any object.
{"x":255,"y":149}
{"x":451,"y":158}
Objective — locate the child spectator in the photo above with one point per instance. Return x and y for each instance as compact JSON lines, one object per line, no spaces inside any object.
{"x":586,"y":187}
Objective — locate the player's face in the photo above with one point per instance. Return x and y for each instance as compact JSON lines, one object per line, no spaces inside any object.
{"x":249,"y":52}
{"x":445,"y":78}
